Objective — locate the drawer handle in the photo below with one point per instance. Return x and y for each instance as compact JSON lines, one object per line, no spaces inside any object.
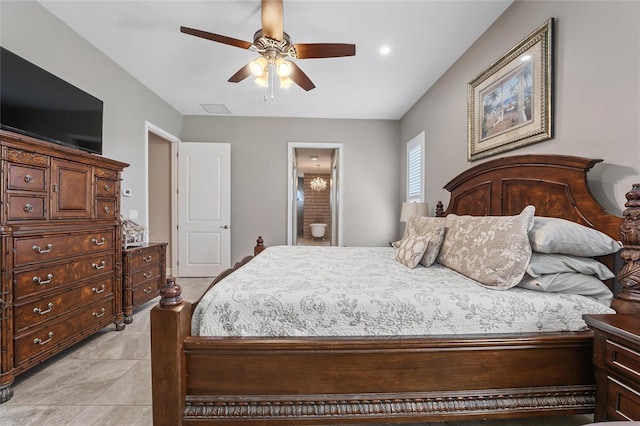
{"x":99,"y":243}
{"x":39,"y":280}
{"x":147,"y":258}
{"x":98,"y":315}
{"x":39,"y":250}
{"x":147,"y":274}
{"x":99,"y":290}
{"x":41,"y":342}
{"x":147,"y":290}
{"x":28,"y":208}
{"x":41,"y":312}
{"x":28,"y":179}
{"x":100,"y":266}
{"x":107,"y":209}
{"x":107,"y":187}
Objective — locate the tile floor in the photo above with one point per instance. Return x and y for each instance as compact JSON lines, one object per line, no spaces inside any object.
{"x":106,"y":380}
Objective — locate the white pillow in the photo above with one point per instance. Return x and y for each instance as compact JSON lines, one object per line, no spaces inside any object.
{"x":411,"y":250}
{"x":493,"y":250}
{"x":546,"y":263}
{"x":554,"y":235}
{"x":570,"y":283}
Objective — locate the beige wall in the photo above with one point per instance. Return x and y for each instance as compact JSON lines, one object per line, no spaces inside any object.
{"x":160,"y":192}
{"x":30,"y":31}
{"x":597,"y":95}
{"x":259,"y":149}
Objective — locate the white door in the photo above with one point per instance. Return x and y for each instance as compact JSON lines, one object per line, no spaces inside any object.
{"x":204,"y":210}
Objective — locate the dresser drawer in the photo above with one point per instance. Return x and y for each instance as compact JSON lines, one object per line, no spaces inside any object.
{"x":623,"y":360}
{"x":623,"y":401}
{"x":105,"y":209}
{"x":145,"y":291}
{"x":26,"y":178}
{"x":34,"y":281}
{"x":152,"y":272}
{"x":26,"y":207}
{"x":36,"y":312}
{"x":45,"y":248}
{"x":63,"y":331}
{"x":144,"y":256}
{"x":105,"y":188}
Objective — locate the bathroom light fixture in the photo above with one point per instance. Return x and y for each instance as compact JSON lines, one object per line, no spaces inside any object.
{"x":318,"y":184}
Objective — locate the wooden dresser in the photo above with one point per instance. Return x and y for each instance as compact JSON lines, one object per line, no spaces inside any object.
{"x":61,"y":251}
{"x":143,"y":274}
{"x":616,"y":357}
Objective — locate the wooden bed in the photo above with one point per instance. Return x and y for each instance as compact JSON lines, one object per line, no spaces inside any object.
{"x":252,"y":380}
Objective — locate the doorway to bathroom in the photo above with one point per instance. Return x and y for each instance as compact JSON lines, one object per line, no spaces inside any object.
{"x":314,"y":203}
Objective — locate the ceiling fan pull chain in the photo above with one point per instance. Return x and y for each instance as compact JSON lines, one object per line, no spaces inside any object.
{"x":271,"y":72}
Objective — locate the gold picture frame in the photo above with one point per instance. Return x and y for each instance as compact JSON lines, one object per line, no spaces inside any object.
{"x":510,"y":103}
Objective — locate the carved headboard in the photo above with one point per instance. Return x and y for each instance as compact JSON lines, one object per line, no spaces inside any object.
{"x":555,"y":184}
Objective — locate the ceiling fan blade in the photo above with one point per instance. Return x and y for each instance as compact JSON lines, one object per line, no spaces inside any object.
{"x":273,"y":19}
{"x":216,"y":37}
{"x":240,"y":75}
{"x":324,"y":50}
{"x":300,"y":78}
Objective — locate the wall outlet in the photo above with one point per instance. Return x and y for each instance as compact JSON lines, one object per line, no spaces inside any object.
{"x":126,"y":192}
{"x":133,"y":214}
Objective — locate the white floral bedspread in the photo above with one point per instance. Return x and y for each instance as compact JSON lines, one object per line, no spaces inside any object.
{"x":363,"y":291}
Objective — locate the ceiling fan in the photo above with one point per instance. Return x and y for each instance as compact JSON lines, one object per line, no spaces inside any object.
{"x":274,"y":46}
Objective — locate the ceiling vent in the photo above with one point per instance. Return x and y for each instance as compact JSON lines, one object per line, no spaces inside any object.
{"x":216,"y":108}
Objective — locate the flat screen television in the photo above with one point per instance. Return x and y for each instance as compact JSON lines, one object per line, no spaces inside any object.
{"x":36,"y":103}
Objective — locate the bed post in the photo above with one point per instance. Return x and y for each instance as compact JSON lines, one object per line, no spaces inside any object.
{"x":170,"y":324}
{"x":628,"y":300}
{"x":259,"y":246}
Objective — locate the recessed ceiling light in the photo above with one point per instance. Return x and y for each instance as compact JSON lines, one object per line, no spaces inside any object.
{"x":385,"y":50}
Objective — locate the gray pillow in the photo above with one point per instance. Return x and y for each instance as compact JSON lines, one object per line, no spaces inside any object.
{"x":570,"y":283}
{"x":553,"y":263}
{"x":553,"y":235}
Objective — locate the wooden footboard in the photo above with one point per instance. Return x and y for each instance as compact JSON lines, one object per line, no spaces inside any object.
{"x":328,"y":380}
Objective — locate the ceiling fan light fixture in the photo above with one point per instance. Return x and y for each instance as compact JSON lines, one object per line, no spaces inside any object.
{"x":258,"y":66}
{"x":263,"y":80}
{"x":283,"y":67}
{"x":285,"y":82}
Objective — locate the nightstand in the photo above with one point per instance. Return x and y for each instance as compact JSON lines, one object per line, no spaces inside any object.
{"x":143,"y":274}
{"x":616,"y":358}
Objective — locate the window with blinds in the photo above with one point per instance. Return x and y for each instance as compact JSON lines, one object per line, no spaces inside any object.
{"x":415,"y":169}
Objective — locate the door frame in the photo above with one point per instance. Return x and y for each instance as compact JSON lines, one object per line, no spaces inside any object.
{"x":292,"y":183}
{"x":174,"y":140}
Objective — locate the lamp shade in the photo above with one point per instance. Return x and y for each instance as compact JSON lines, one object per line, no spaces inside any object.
{"x":413,"y":209}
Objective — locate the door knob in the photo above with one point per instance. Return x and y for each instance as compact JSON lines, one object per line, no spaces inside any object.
{"x":225,"y":227}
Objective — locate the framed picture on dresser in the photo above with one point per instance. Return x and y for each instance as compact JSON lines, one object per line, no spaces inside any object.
{"x":510,"y":103}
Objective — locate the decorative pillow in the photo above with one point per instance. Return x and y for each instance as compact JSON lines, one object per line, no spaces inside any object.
{"x":433,"y":228}
{"x":570,"y":283}
{"x":544,"y":263}
{"x":493,"y":250}
{"x":411,"y":250}
{"x":554,"y":235}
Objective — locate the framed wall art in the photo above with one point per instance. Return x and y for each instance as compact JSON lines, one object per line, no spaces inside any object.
{"x":510,"y":103}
